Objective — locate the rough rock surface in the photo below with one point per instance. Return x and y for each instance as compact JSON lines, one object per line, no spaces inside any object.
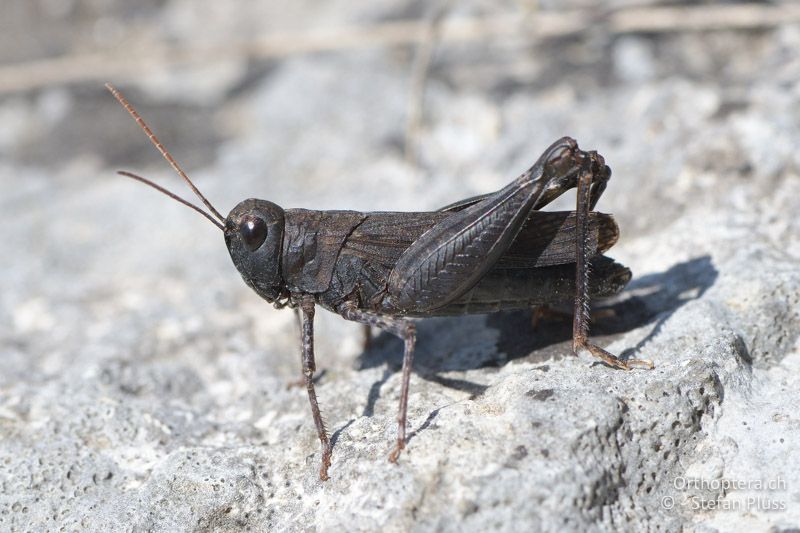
{"x":144,"y":387}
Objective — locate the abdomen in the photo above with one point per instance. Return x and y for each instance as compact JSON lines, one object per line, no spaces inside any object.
{"x":514,"y":288}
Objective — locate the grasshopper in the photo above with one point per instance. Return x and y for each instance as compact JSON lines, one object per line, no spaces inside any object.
{"x":383,"y":269}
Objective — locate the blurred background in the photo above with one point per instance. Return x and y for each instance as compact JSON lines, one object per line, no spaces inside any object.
{"x":106,"y":285}
{"x":393,"y":105}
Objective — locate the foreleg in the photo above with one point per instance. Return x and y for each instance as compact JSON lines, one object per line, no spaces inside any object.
{"x":309,"y":366}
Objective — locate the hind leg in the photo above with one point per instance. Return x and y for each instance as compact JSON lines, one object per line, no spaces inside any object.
{"x":450,"y":258}
{"x":580,"y":325}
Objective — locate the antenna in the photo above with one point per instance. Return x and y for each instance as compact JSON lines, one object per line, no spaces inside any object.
{"x":171,"y":195}
{"x":171,"y":160}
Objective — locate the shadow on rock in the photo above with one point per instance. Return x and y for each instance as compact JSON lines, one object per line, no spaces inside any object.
{"x":469,"y":342}
{"x":654,"y":297}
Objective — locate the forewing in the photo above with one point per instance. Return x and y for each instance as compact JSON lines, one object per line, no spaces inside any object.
{"x":463,"y":204}
{"x":547,"y":237}
{"x":383,"y":237}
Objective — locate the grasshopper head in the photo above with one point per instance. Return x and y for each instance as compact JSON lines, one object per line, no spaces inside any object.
{"x":254,"y":237}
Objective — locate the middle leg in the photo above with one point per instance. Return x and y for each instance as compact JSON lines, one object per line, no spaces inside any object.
{"x":405,"y":330}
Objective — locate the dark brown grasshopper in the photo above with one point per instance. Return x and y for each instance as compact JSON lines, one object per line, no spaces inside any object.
{"x":480,"y":255}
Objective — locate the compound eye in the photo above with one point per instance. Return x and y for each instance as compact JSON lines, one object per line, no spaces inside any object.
{"x":253,"y":231}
